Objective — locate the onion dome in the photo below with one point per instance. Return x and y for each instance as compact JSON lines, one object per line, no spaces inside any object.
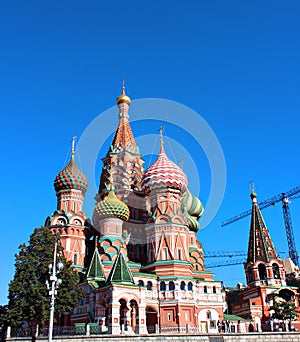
{"x":123,"y":98}
{"x":193,"y":205}
{"x":193,"y":209}
{"x":164,"y":173}
{"x":111,"y":206}
{"x":71,"y":177}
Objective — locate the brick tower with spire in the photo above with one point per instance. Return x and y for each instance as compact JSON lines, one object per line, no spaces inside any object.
{"x":263,"y":266}
{"x":264,"y":275}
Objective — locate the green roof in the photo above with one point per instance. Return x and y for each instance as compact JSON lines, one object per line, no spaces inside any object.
{"x":120,"y":272}
{"x":95,"y":270}
{"x":234,"y":318}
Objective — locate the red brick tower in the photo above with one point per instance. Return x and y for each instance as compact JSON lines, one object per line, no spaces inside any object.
{"x":263,"y":266}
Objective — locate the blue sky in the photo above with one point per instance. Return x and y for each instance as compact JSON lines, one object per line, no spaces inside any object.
{"x":236,"y":63}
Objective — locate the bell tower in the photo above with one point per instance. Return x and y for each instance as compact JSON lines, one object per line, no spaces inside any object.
{"x":263,"y":266}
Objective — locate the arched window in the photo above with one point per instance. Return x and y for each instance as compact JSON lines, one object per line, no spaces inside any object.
{"x":214,"y":289}
{"x":190,"y":286}
{"x":205,"y":289}
{"x":208,"y":314}
{"x":276,"y":273}
{"x":140,"y":283}
{"x":262,"y":272}
{"x":75,"y":259}
{"x":182,"y":286}
{"x":162,"y":286}
{"x":149,"y":285}
{"x":171,"y":286}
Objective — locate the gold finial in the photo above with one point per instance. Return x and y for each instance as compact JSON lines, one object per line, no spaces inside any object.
{"x":123,"y":97}
{"x":73,"y":148}
{"x":96,"y":241}
{"x":161,"y":141}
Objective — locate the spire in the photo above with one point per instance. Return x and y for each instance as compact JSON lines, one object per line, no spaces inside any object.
{"x":123,"y":138}
{"x":260,"y":247}
{"x":95,"y":270}
{"x":73,"y":148}
{"x":120,"y":272}
{"x":161,"y":141}
{"x":123,"y":98}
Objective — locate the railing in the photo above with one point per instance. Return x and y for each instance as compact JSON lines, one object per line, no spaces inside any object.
{"x":185,"y":329}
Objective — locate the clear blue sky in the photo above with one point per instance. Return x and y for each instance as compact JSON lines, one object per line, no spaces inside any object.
{"x":234,"y":62}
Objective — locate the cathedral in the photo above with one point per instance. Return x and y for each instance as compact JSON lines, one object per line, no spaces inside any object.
{"x":139,"y":259}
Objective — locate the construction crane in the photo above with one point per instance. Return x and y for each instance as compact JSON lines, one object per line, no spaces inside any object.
{"x":230,"y":262}
{"x":284,"y":198}
{"x":222,"y":254}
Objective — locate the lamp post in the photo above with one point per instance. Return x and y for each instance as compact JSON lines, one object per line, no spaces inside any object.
{"x":55,"y":282}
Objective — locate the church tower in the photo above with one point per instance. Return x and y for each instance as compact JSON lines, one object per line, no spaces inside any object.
{"x":123,"y":167}
{"x":263,"y":266}
{"x":167,"y":231}
{"x":68,"y":220}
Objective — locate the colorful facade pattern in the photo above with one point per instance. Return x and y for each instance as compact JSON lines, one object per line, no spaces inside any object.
{"x":141,"y":262}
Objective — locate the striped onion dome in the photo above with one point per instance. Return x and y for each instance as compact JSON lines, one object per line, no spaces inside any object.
{"x":71,"y":177}
{"x":193,"y":208}
{"x":164,"y":173}
{"x":111,"y":206}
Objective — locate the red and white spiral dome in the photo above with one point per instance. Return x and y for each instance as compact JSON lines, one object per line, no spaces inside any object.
{"x":164,"y":173}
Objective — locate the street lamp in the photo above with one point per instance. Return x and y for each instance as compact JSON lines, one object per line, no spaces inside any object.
{"x":55,"y":282}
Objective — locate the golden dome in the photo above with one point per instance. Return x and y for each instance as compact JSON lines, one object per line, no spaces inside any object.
{"x":123,"y":98}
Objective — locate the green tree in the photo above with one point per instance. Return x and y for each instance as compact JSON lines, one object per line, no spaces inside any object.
{"x":28,"y":293}
{"x":284,"y":310}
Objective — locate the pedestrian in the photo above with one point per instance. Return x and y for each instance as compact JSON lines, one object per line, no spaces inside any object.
{"x":228,"y":326}
{"x":219,"y":326}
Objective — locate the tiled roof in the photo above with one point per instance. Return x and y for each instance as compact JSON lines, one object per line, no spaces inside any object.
{"x":120,"y":272}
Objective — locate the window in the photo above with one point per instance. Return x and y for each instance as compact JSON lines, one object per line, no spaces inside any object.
{"x":179,"y":254}
{"x":149,"y":286}
{"x":165,"y":253}
{"x":162,"y":286}
{"x":262,"y":272}
{"x":205,"y":289}
{"x":182,"y":286}
{"x":75,"y":259}
{"x":214,"y":290}
{"x":190,"y":286}
{"x":169,"y":316}
{"x":171,"y":286}
{"x":208,"y":314}
{"x":138,"y":251}
{"x":276,"y":272}
{"x":151,"y":255}
{"x":140,"y":283}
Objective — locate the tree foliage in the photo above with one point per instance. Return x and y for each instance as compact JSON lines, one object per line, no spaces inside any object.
{"x":28,"y":293}
{"x":284,"y":310}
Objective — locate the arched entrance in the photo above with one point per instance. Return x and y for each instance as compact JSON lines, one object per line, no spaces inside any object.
{"x":151,"y":319}
{"x":123,"y":314}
